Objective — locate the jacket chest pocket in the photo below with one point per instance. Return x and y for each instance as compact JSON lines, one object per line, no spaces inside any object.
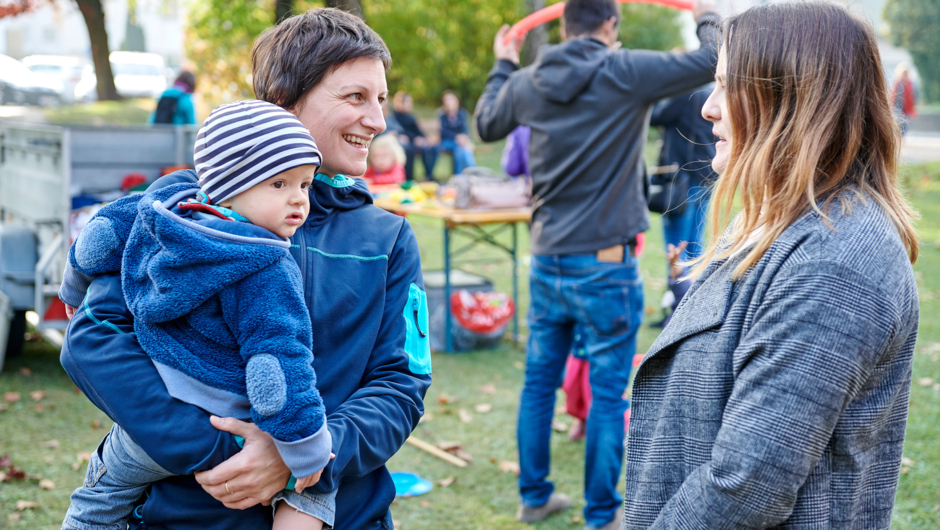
{"x":417,"y":342}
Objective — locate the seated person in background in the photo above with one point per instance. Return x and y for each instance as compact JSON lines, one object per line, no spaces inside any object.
{"x":412,"y":137}
{"x":455,"y":133}
{"x":194,"y":261}
{"x":386,"y":159}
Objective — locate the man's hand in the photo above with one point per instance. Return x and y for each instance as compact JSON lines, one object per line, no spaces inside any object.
{"x":673,"y":256}
{"x":508,"y":51}
{"x":252,"y":476}
{"x":703,"y":7}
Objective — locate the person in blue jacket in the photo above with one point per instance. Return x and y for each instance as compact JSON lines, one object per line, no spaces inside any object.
{"x":193,"y":262}
{"x":175,"y":106}
{"x":455,"y":134}
{"x":361,"y":275}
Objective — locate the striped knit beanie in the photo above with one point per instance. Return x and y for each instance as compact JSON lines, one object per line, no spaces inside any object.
{"x":244,"y":143}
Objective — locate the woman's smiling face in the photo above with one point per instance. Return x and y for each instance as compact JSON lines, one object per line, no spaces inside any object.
{"x":715,"y":110}
{"x":344,"y":112}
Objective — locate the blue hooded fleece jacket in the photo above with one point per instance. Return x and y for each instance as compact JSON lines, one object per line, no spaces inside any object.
{"x":364,"y":293}
{"x":218,"y":305}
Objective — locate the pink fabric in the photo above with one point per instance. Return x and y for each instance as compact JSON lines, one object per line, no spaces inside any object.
{"x":395,"y":175}
{"x":577,"y":387}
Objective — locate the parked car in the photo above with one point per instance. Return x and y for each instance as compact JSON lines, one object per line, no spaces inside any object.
{"x":21,"y":86}
{"x":67,"y":69}
{"x":136,"y":75}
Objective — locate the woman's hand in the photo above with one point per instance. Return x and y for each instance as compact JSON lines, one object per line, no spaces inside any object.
{"x":252,"y":476}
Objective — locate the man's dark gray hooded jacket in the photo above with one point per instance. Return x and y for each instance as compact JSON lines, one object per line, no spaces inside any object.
{"x":589,"y":109}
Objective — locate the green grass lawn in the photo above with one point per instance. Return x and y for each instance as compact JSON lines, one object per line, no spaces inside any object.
{"x":47,"y":443}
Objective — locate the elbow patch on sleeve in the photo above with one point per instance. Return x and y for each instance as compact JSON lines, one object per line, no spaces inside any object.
{"x":417,"y":341}
{"x":96,"y":243}
{"x":267,"y":385}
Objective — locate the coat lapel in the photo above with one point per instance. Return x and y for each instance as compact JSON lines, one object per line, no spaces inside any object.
{"x":704,"y":307}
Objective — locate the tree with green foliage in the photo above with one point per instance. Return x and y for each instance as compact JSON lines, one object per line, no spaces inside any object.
{"x":436,"y":45}
{"x":915,"y":25}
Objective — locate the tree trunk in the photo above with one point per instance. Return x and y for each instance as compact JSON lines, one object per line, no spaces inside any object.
{"x":98,"y":34}
{"x":350,"y":6}
{"x":536,"y":38}
{"x":282,"y":9}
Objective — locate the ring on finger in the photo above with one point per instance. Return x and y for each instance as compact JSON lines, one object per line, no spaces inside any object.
{"x":228,"y":490}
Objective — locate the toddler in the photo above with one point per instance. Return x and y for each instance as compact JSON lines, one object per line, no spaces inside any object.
{"x":218,"y":305}
{"x":386,"y":161}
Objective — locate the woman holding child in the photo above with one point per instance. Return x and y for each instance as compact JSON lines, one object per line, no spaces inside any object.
{"x":778,"y":395}
{"x":362,"y":285}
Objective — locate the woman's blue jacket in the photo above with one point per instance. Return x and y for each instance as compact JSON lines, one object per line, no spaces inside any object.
{"x":364,"y":291}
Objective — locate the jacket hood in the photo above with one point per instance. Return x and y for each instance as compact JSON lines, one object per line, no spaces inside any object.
{"x":563,"y":71}
{"x":174,"y":263}
{"x":334,"y":194}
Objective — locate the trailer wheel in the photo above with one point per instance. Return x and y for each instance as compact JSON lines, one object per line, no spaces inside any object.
{"x":17,"y":335}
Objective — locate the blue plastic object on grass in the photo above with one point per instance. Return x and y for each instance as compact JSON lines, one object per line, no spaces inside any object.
{"x":410,"y":484}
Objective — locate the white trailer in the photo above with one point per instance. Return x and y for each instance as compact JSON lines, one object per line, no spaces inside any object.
{"x":41,"y":168}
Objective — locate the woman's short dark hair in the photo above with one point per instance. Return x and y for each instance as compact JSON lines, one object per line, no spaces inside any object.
{"x":187,"y":79}
{"x":583,"y":17}
{"x":293,"y":57}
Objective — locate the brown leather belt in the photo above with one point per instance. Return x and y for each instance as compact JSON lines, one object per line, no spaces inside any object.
{"x":615,"y":253}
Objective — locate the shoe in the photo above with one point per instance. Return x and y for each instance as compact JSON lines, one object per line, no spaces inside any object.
{"x":556,"y":503}
{"x":614,"y":524}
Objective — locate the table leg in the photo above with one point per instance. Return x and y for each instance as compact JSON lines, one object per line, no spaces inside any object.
{"x":448,"y":338}
{"x":515,"y":282}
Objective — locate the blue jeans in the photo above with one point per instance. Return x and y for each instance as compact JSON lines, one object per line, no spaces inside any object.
{"x":119,"y":474}
{"x":690,"y":224}
{"x":463,"y":156}
{"x":606,"y":301}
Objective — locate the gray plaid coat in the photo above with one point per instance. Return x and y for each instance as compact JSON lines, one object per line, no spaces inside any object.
{"x":780,"y":399}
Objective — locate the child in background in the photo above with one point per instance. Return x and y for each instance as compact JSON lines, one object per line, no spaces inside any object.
{"x":386,"y":161}
{"x":218,"y":305}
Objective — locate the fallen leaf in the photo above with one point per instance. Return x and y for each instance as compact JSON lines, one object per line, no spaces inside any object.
{"x":76,"y":390}
{"x":16,"y":473}
{"x":450,"y":447}
{"x":26,"y":505}
{"x":447,"y":482}
{"x":464,"y":416}
{"x":81,"y":458}
{"x":488,"y":389}
{"x":444,"y":399}
{"x":905,"y":461}
{"x":39,"y":408}
{"x":15,"y":516}
{"x":425,"y":504}
{"x":51,"y":444}
{"x":96,"y":424}
{"x":519,"y":365}
{"x":427,"y":417}
{"x":559,"y":426}
{"x":4,"y":477}
{"x":650,"y":310}
{"x":11,"y":397}
{"x":37,"y":395}
{"x":509,"y":467}
{"x":47,"y":484}
{"x":26,"y":371}
{"x":463,"y":455}
{"x":48,"y":459}
{"x":483,"y":408}
{"x":5,"y":460}
{"x":3,"y":407}
{"x":925,"y":381}
{"x":575,"y":519}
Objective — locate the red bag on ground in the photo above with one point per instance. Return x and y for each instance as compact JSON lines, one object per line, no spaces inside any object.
{"x":482,"y":313}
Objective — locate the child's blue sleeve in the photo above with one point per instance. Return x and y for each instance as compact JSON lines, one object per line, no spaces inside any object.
{"x":267,"y":313}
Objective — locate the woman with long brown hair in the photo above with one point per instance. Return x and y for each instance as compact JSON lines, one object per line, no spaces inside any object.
{"x":778,"y":394}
